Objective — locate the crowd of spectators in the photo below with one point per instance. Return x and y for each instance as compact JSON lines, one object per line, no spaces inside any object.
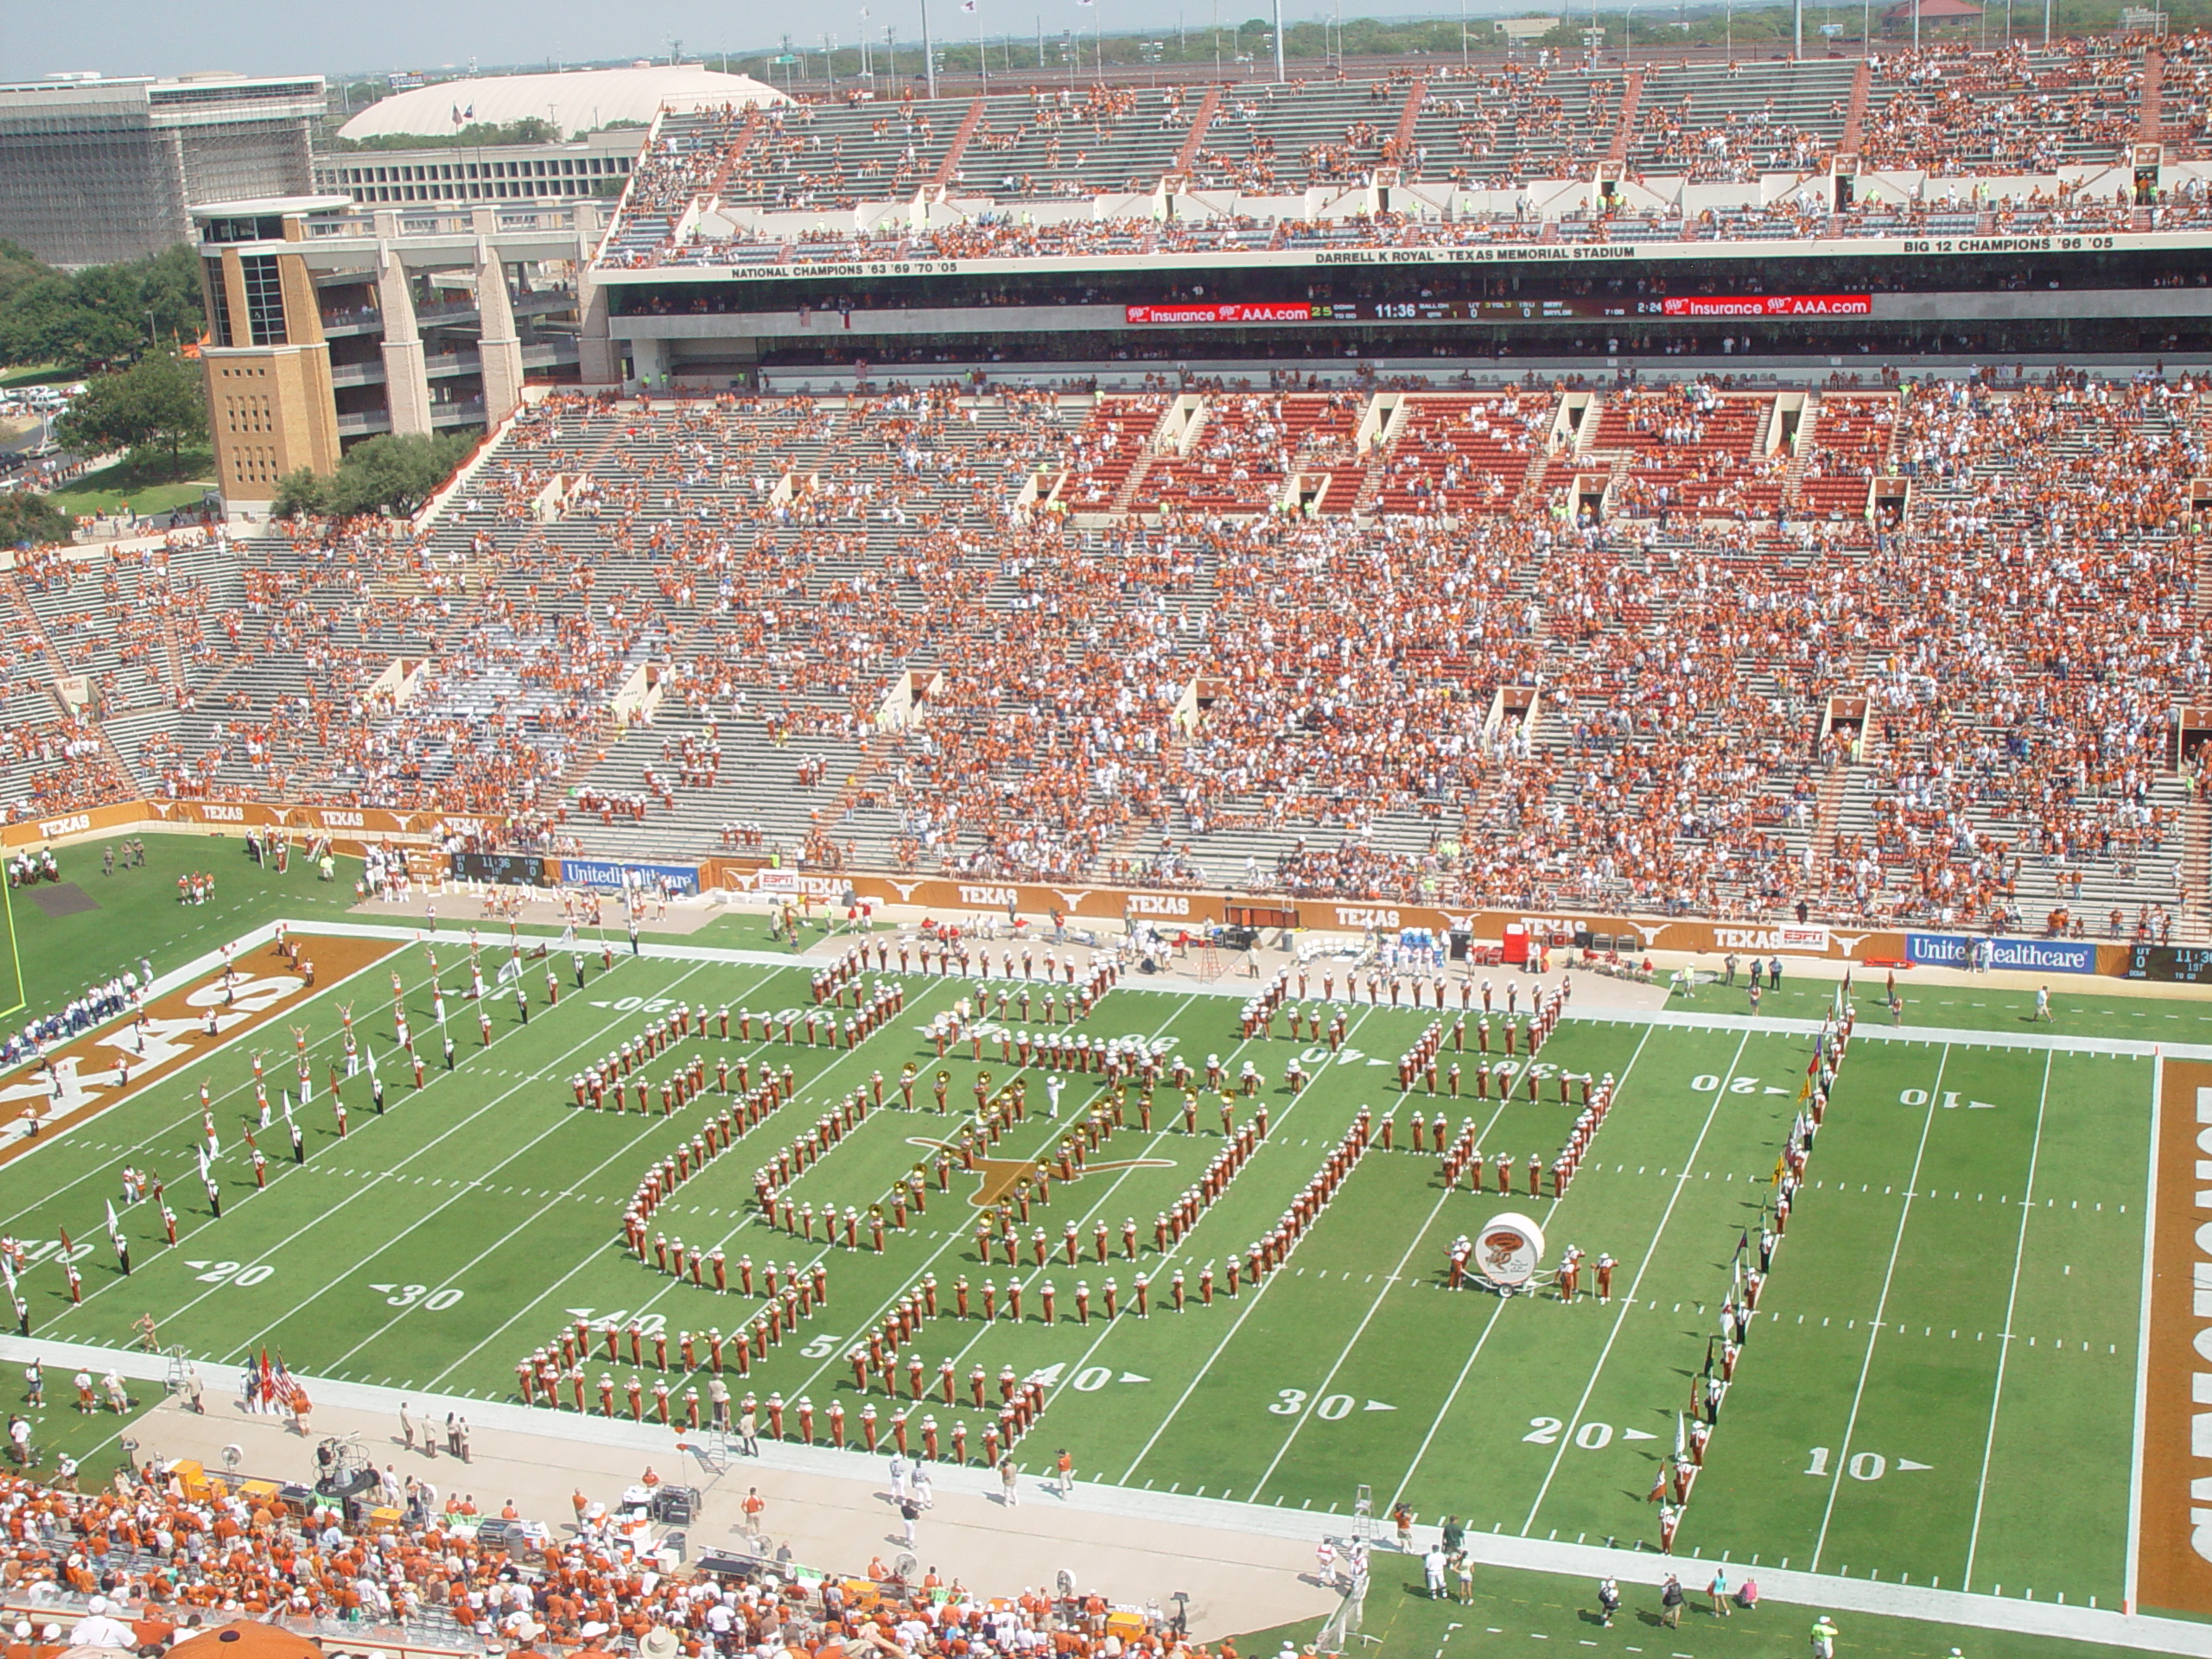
{"x":145,"y":1560}
{"x":1989,"y":130}
{"x":1544,"y":647}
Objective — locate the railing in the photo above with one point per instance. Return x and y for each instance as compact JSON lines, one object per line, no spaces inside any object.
{"x":430,"y":1637}
{"x":461,"y":221}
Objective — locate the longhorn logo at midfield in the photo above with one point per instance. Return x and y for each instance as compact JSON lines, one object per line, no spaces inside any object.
{"x":996,"y":1178}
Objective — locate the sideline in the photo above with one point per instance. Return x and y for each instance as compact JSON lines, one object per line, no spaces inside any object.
{"x":1241,"y":990}
{"x":1586,"y":1562}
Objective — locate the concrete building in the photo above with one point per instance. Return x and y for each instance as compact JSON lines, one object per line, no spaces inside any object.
{"x":95,"y":170}
{"x":596,"y":165}
{"x":328,"y":324}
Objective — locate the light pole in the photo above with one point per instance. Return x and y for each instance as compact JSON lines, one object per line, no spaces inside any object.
{"x":929,"y":53}
{"x":1463,"y":36}
{"x":1280,"y":76}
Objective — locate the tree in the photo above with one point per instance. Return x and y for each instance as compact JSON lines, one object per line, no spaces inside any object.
{"x":169,"y":289}
{"x":28,"y":520}
{"x":103,"y":315}
{"x":302,"y":491}
{"x":530,"y":130}
{"x":387,"y":474}
{"x":155,"y":403}
{"x":396,"y":475}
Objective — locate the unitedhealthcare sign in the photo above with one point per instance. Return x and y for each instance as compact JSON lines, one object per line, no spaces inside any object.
{"x":2028,"y":955}
{"x":603,"y":872}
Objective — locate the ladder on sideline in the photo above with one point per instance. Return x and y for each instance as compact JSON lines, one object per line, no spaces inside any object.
{"x":715,"y":1448}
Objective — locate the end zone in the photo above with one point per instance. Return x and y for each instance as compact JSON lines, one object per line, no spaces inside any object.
{"x":176,"y":1036}
{"x":2172,"y":1564}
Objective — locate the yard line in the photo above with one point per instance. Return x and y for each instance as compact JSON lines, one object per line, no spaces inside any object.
{"x":567,"y":1193}
{"x":952,"y":1239}
{"x":1229,"y":1336}
{"x":1084,"y":1360}
{"x":1881,"y":1306}
{"x":1460,"y":1381}
{"x":1567,"y":1434}
{"x":2143,"y":1337}
{"x":370,"y":1186}
{"x":1351,"y":1342}
{"x":2004,"y":1347}
{"x":595,"y":1256}
{"x":286,"y":1170}
{"x":628,"y":1151}
{"x":151,"y":1141}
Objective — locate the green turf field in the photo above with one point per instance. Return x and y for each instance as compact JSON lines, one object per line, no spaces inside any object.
{"x":1990,"y":1004}
{"x":1880,"y":1425}
{"x":1533,"y":1613}
{"x":135,"y":915}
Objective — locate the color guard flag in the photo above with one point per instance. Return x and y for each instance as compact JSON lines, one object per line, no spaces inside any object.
{"x":114,"y":1228}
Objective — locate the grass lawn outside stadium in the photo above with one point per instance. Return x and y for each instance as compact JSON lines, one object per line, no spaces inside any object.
{"x":1976,"y":1177}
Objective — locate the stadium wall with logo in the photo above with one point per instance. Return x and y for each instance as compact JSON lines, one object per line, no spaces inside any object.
{"x":950,"y":900}
{"x":2025,"y":956}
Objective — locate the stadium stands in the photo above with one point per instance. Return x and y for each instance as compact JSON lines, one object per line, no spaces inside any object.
{"x":445,"y":1579}
{"x":1949,"y":140}
{"x":1907,"y":654}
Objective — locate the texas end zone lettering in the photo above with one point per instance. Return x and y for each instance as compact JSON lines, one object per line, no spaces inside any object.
{"x":2174,"y":1559}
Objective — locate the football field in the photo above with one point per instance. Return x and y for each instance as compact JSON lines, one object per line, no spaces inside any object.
{"x":1937,"y":1390}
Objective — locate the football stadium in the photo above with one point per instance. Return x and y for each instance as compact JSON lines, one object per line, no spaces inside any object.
{"x":1403,"y":863}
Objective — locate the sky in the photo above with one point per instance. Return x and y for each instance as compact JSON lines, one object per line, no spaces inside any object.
{"x":133,"y":37}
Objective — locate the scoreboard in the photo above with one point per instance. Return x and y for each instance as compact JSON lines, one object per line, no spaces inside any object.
{"x":2175,"y":965}
{"x":508,"y":869}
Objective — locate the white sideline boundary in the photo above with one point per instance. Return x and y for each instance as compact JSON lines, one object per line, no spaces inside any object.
{"x":1586,"y":1561}
{"x":1240,"y":990}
